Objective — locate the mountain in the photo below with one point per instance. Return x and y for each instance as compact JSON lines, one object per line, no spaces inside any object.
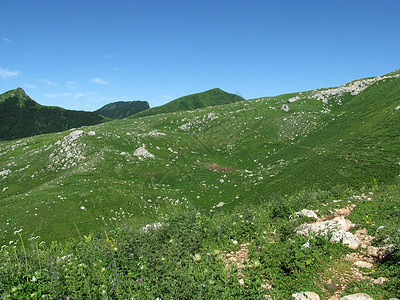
{"x":242,"y":153}
{"x":207,"y":203}
{"x":191,"y":102}
{"x":122,"y":109}
{"x":20,"y":116}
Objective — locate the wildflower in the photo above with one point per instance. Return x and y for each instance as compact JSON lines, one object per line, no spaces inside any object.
{"x":197,"y":257}
{"x":256,"y":264}
{"x":18,"y":231}
{"x":111,"y":243}
{"x":34,"y":279}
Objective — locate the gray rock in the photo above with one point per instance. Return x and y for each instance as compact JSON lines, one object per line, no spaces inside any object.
{"x":337,"y":236}
{"x":347,"y":238}
{"x":305,"y":296}
{"x":307,"y":213}
{"x":380,"y":280}
{"x":359,"y":296}
{"x":325,"y":227}
{"x":285,"y":107}
{"x":351,"y":240}
{"x":306,"y":245}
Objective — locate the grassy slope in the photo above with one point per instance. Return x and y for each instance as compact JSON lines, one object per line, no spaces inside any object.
{"x":122,"y":109}
{"x":266,"y":150}
{"x":20,"y":116}
{"x":262,"y":162}
{"x":191,"y":102}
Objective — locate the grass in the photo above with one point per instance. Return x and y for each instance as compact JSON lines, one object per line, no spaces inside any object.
{"x":220,"y":174}
{"x":185,"y":257}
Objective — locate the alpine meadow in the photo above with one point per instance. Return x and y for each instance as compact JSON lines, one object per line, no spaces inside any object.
{"x":209,"y":196}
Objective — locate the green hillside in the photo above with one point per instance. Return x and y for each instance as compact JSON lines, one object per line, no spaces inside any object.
{"x":211,"y":181}
{"x":122,"y":109}
{"x":192,"y":102}
{"x":20,"y":116}
{"x":244,"y":152}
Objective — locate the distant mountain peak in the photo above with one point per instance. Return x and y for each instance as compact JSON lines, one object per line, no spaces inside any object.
{"x":122,"y":109}
{"x":211,"y":97}
{"x":20,"y":116}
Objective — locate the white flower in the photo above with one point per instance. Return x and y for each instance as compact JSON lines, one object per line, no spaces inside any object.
{"x":197,"y":257}
{"x":83,"y":208}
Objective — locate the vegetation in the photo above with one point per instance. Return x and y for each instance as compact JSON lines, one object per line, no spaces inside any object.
{"x":187,"y":255}
{"x":192,"y":102}
{"x":215,"y":178}
{"x":122,"y":109}
{"x":20,"y":116}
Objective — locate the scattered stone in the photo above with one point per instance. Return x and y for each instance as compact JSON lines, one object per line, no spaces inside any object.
{"x":380,"y":280}
{"x":150,"y":227}
{"x":397,"y":108}
{"x":92,"y":133}
{"x":305,"y":296}
{"x":241,"y":282}
{"x":363,"y":264}
{"x":364,"y":237}
{"x":306,"y":245}
{"x":240,"y":258}
{"x":5,"y":172}
{"x":141,"y":153}
{"x":359,"y":296}
{"x":75,"y":134}
{"x":307,"y":213}
{"x":285,"y":107}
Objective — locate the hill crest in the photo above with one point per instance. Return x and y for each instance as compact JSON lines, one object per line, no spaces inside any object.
{"x":207,"y":98}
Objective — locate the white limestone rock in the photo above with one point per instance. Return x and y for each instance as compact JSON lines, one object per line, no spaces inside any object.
{"x":141,"y":153}
{"x":359,"y":296}
{"x":325,"y":227}
{"x":307,"y":213}
{"x":306,"y":296}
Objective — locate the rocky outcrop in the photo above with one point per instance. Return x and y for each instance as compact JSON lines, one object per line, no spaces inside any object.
{"x":337,"y":227}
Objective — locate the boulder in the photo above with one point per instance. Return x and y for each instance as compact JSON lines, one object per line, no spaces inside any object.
{"x":325,"y":227}
{"x":351,"y":240}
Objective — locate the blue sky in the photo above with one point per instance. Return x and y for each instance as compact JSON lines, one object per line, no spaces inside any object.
{"x":84,"y":54}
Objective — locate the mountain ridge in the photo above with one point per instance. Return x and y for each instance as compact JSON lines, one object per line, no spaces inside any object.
{"x":21,"y":116}
{"x":211,"y":97}
{"x":122,"y":109}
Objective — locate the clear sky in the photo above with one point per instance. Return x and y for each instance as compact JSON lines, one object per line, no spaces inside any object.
{"x":84,"y":54}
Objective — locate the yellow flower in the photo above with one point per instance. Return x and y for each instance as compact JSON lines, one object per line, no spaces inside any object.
{"x":110,"y":242}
